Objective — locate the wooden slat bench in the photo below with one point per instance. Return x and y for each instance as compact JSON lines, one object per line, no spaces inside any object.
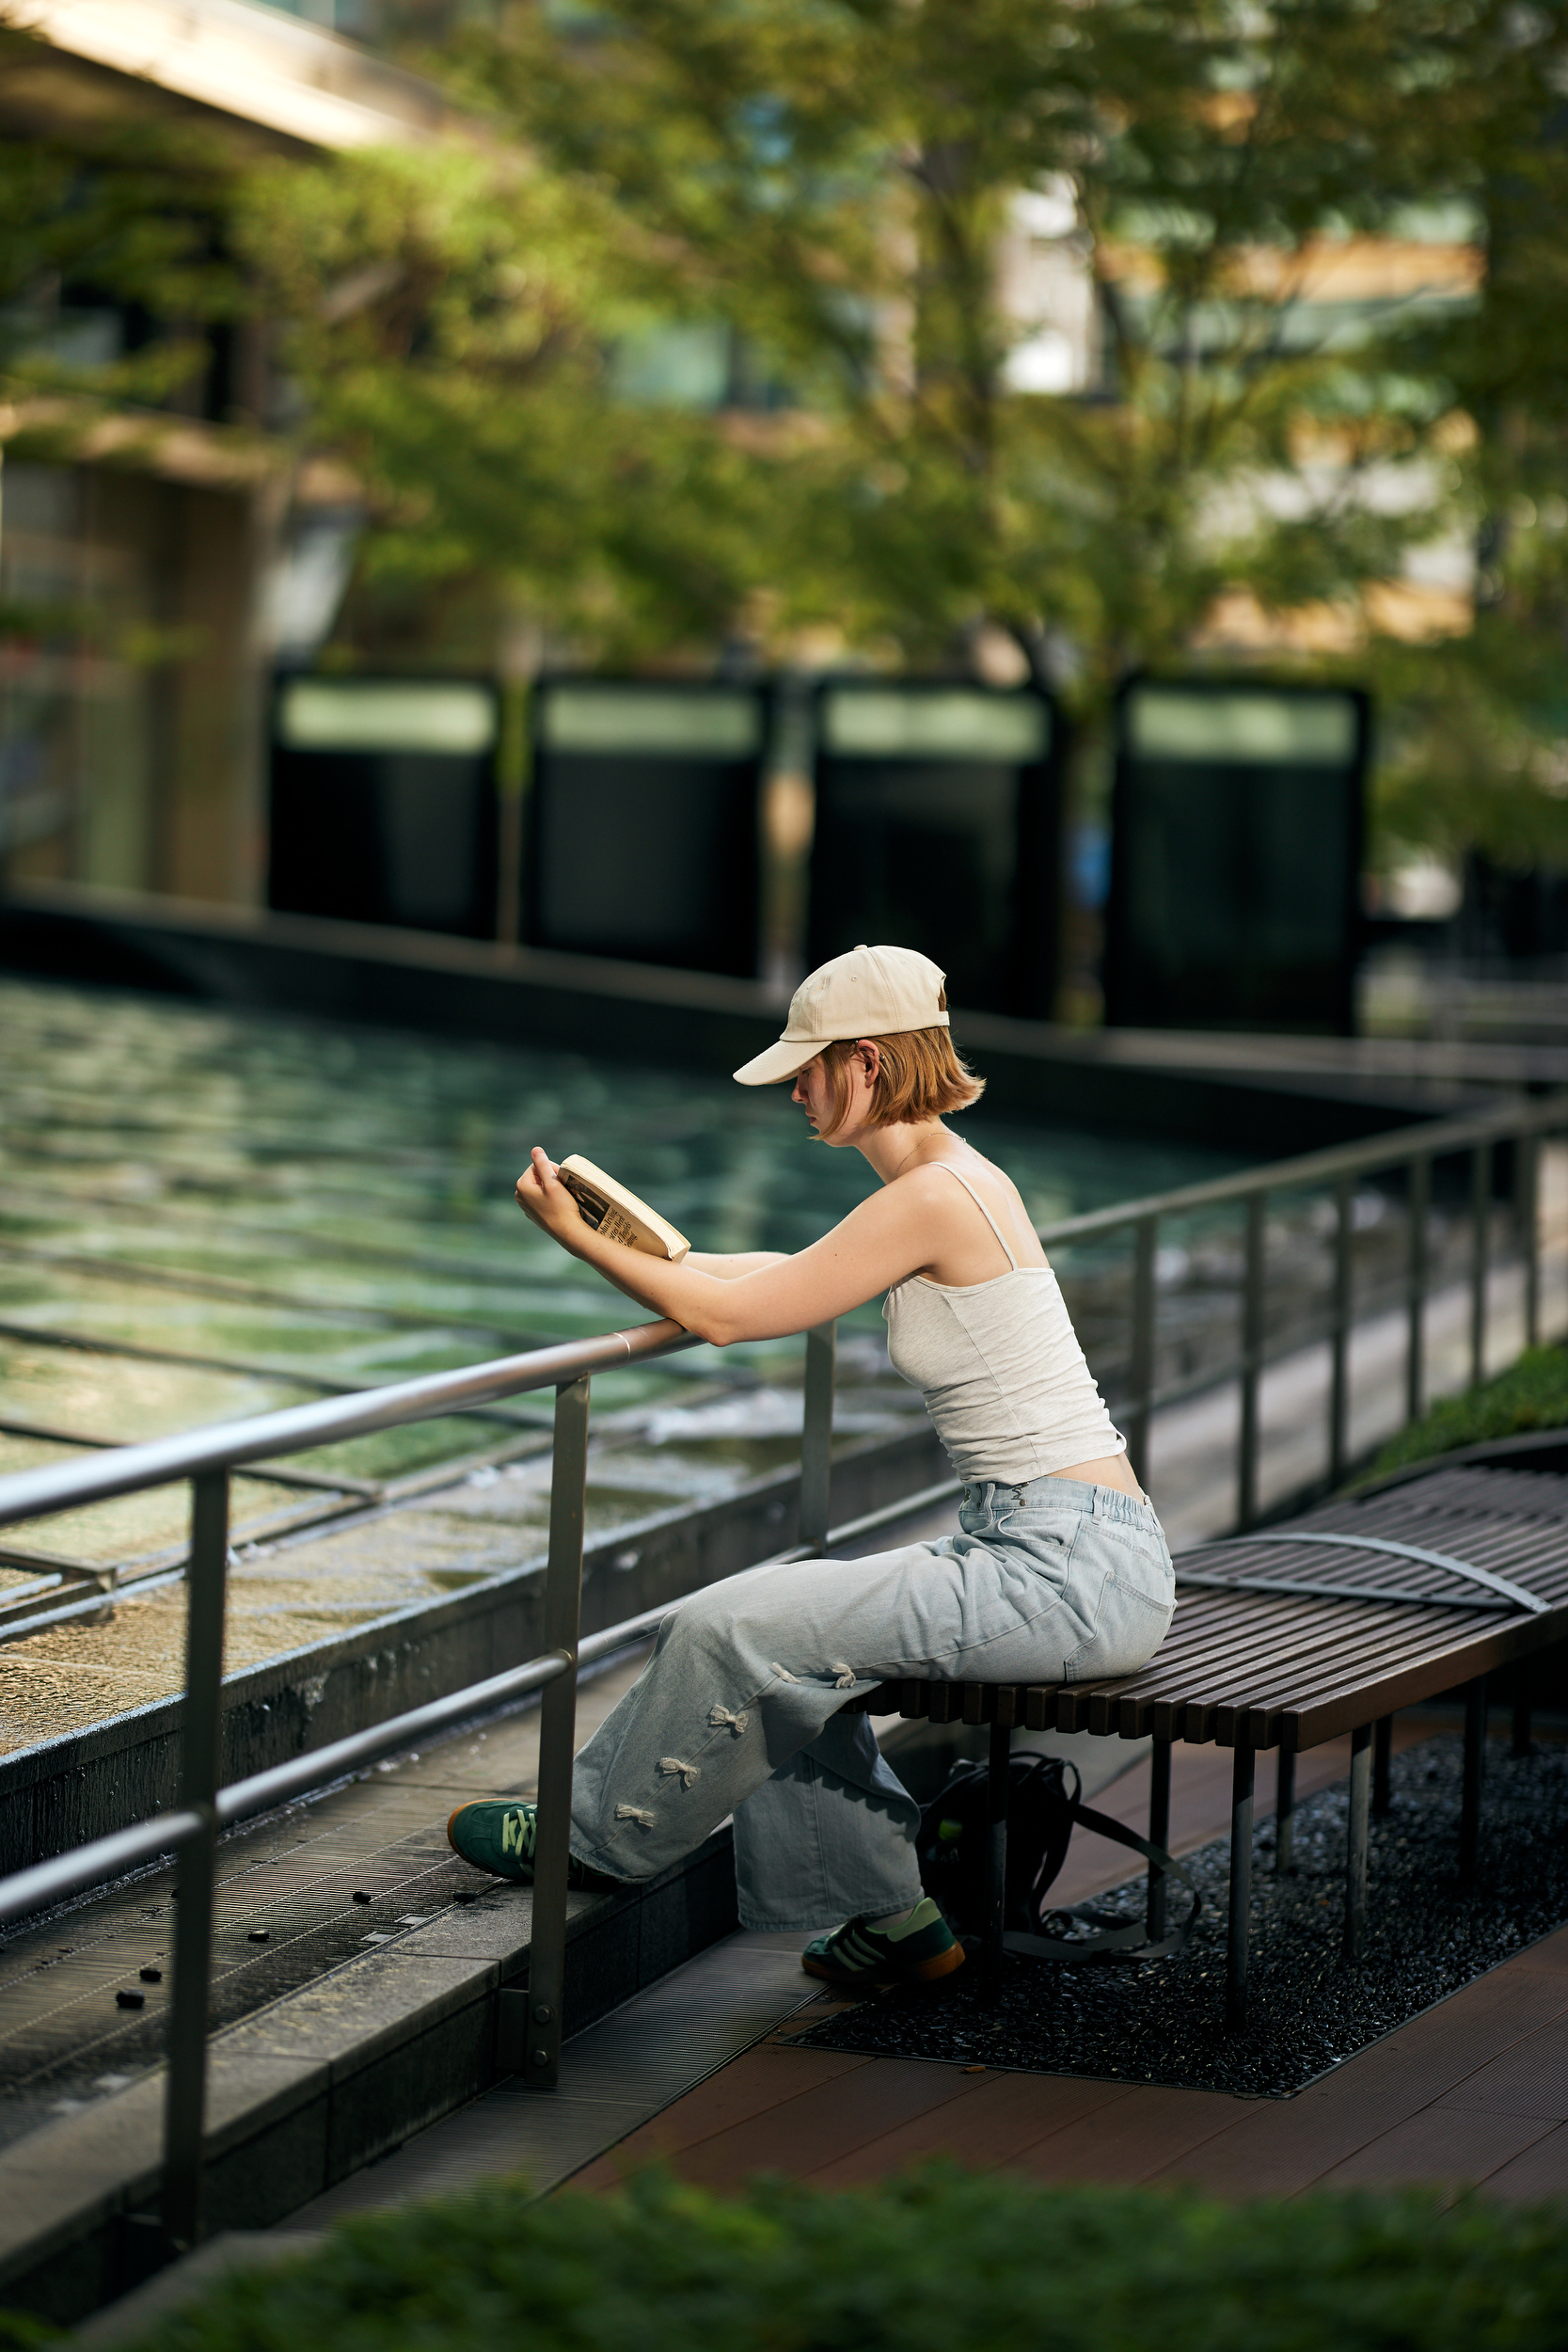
{"x":1291,"y":1636}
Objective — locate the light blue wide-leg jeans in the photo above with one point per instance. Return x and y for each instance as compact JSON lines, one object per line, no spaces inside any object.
{"x":737,"y":1709}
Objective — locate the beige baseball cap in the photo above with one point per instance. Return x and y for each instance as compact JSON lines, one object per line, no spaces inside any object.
{"x":872,"y":992}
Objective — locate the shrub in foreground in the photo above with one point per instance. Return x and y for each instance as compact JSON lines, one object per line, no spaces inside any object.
{"x":1531,"y":1394}
{"x":937,"y":2261}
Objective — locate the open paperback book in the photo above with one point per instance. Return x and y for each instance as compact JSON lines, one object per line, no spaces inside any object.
{"x":618,"y":1215}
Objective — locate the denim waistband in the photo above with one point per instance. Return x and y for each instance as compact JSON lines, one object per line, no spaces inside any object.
{"x":1062,"y":1494}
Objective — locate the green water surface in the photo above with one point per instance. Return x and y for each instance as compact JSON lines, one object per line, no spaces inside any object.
{"x":206,"y":1212}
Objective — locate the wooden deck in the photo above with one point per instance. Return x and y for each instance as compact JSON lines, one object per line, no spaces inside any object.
{"x":1474,"y":2091}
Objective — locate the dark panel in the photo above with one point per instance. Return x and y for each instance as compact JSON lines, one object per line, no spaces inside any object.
{"x":1235,"y":875}
{"x":950,"y":849}
{"x":383,"y":831}
{"x":642,"y":839}
{"x":654,"y":860}
{"x":324,"y":842}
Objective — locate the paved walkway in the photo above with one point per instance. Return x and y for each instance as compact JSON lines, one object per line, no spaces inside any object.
{"x":701,"y":2068}
{"x":616,"y":2076}
{"x":700,"y":2072}
{"x":1475,"y":2092}
{"x":1472,"y":2091}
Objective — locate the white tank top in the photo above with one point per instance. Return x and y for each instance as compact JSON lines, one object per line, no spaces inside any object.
{"x":1004,"y":1378}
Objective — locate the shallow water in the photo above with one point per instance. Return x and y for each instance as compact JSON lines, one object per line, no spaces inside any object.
{"x":205,"y":1214}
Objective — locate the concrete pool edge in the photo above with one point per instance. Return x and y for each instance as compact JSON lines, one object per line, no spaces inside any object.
{"x":84,"y":1784}
{"x":1266,"y":1096}
{"x":335,"y":2075}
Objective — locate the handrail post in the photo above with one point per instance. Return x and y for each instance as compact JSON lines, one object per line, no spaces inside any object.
{"x":1252,"y":1353}
{"x":1417,"y":1199}
{"x":817,"y":1436}
{"x":547,"y":1975}
{"x":1145,"y":1252}
{"x":185,"y":2087}
{"x":1480,"y":1218}
{"x":1339,"y":1386}
{"x":1528,"y":1182}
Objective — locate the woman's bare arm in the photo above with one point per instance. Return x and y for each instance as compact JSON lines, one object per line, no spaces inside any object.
{"x":741,"y":1262}
{"x":877,"y":1245}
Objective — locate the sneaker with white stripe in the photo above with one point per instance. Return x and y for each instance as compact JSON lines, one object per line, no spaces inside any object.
{"x":918,"y":1951}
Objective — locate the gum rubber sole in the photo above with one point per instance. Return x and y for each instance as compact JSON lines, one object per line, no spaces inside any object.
{"x":923,"y":1972}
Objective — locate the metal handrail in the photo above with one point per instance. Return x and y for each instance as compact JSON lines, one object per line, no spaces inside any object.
{"x":1434,"y":1139}
{"x":93,"y":1865}
{"x":227,"y":1444}
{"x":111,"y":1857}
{"x":207,"y":1456}
{"x":1413,"y":1151}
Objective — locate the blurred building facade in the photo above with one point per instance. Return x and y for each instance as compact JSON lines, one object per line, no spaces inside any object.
{"x":151,"y":576}
{"x":133,"y":753}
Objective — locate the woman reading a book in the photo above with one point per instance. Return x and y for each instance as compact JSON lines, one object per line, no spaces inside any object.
{"x":1060,"y":1574}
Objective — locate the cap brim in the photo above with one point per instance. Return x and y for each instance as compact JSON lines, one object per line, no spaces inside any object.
{"x":785,"y":1059}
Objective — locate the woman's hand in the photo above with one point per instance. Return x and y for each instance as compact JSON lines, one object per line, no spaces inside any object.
{"x":543,"y":1197}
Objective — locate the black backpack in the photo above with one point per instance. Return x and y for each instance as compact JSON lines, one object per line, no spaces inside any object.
{"x":1042,"y":1813}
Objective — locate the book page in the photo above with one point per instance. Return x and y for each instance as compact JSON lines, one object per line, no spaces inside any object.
{"x":617,"y":1213}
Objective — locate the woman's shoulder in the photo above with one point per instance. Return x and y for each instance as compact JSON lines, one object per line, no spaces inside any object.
{"x":989,"y":1188}
{"x":932,"y":1179}
{"x":962,"y":1161}
{"x":955,"y":1183}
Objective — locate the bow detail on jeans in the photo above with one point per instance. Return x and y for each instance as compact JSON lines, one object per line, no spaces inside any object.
{"x":737,"y":1720}
{"x":686,"y":1772}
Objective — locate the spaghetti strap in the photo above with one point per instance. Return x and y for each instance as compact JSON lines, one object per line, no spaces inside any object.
{"x":980,"y":1205}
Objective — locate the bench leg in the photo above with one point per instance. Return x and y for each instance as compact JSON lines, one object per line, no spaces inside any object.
{"x":1475,"y":1768}
{"x":1285,"y":1813}
{"x":997,"y":1778}
{"x":1242,"y":1778}
{"x":1382,"y":1756}
{"x":1521,"y":1707}
{"x":1355,"y":1840}
{"x":1159,"y":1834}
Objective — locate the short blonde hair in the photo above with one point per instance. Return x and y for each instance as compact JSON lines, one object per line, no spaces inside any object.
{"x":920,"y":1077}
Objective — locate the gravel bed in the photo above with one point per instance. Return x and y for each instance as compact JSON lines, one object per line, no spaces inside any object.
{"x":1164,"y":2021}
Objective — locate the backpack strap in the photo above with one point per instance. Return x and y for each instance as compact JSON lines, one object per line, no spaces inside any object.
{"x":1106,"y":1933}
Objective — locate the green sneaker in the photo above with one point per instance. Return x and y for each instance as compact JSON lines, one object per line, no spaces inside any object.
{"x":920,"y":1952}
{"x":499,"y":1834}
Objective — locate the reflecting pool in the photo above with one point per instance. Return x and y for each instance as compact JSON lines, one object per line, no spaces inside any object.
{"x":206,"y":1212}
